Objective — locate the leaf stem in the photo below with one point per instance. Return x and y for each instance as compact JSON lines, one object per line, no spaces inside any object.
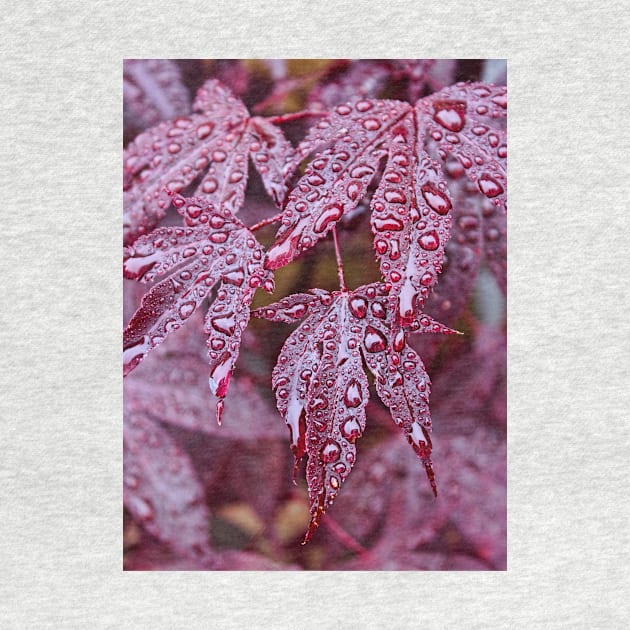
{"x":283,"y":118}
{"x":342,"y":280}
{"x":343,"y":536}
{"x":267,"y":221}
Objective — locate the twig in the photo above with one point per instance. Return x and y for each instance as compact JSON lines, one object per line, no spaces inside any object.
{"x":342,"y":280}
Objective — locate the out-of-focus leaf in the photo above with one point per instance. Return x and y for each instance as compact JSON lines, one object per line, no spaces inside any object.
{"x":161,"y":488}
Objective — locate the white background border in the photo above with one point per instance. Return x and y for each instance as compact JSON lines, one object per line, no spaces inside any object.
{"x":60,"y":406}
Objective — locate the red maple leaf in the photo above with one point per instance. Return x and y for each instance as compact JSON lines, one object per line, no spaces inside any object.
{"x":411,"y":208}
{"x":161,"y":488}
{"x":153,"y":90}
{"x":322,"y":390}
{"x":209,"y":149}
{"x":215,"y":248}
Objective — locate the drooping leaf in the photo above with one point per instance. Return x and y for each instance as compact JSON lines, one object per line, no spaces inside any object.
{"x":209,"y":148}
{"x":161,"y":488}
{"x":411,"y":208}
{"x":153,"y":91}
{"x":411,"y":222}
{"x":215,"y":248}
{"x":321,"y":388}
{"x":467,"y":122}
{"x":463,"y":253}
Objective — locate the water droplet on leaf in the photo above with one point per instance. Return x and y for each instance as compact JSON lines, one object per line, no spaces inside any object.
{"x":374,"y":340}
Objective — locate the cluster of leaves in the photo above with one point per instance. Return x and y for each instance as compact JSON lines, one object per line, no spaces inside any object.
{"x":429,"y":172}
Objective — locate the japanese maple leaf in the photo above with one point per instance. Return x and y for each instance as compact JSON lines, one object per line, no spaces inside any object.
{"x":411,"y":208}
{"x":153,"y":90}
{"x":161,"y":488}
{"x":215,"y":248}
{"x":472,"y":473}
{"x":368,"y":78}
{"x":322,"y":390}
{"x":210,"y":149}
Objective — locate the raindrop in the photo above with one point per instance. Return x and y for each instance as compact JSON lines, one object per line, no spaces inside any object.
{"x":395,"y":250}
{"x":193,"y":211}
{"x":297,"y":311}
{"x":217,"y":344}
{"x":489,"y":186}
{"x":399,"y":341}
{"x":186,"y":310}
{"x":218,"y":237}
{"x":140,"y":265}
{"x":269,"y":285}
{"x":217,"y":221}
{"x":393,"y":177}
{"x":133,"y":353}
{"x":387,"y":223}
{"x":493,"y":234}
{"x":353,"y":396}
{"x":363,"y":106}
{"x":429,"y":241}
{"x":320,"y":163}
{"x":224,"y":324}
{"x":176,"y":185}
{"x":374,"y":340}
{"x":380,"y":246}
{"x":318,"y":403}
{"x":436,"y":199}
{"x":362,"y":170}
{"x":353,"y":190}
{"x":234,"y":277}
{"x":331,"y":213}
{"x":406,"y":302}
{"x":351,"y":430}
{"x":219,"y":156}
{"x":358,"y":307}
{"x":395,"y":196}
{"x":330,"y":451}
{"x":210,"y":185}
{"x":315,"y":179}
{"x":450,"y":114}
{"x":343,"y":110}
{"x":203,"y":131}
{"x":219,"y":379}
{"x":500,"y":100}
{"x":371,"y":124}
{"x":378,"y":310}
